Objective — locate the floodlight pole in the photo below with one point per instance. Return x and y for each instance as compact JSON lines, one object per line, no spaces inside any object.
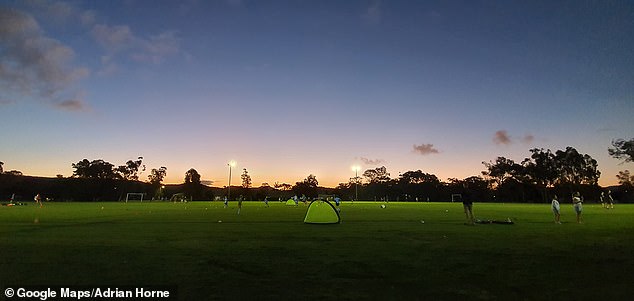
{"x":356,"y":184}
{"x":356,"y":181}
{"x":229,"y":186}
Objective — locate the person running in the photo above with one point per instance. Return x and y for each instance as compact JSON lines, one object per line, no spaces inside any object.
{"x":226,"y":202}
{"x":38,"y":200}
{"x":337,"y":202}
{"x":266,"y":201}
{"x":602,"y":200}
{"x":556,"y":209}
{"x":577,"y":202}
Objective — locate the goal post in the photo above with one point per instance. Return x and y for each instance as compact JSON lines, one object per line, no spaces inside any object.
{"x":456,"y":197}
{"x":134,"y":197}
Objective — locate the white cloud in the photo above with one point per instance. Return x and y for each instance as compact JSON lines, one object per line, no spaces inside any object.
{"x":113,"y":38}
{"x":120,"y":41}
{"x":32,"y":64}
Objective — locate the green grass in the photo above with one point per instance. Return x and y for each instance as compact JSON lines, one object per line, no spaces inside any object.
{"x":269,"y":253}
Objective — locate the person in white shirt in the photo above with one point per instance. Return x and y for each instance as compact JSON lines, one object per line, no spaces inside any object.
{"x":556,"y":209}
{"x":577,"y":200}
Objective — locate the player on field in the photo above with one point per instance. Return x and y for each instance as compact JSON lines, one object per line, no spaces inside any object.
{"x":610,"y":204}
{"x":577,"y":202}
{"x":467,"y":204}
{"x":556,"y":209}
{"x":240,"y":204}
{"x":38,"y":200}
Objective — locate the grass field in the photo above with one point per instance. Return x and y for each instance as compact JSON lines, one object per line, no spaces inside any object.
{"x":269,"y":253}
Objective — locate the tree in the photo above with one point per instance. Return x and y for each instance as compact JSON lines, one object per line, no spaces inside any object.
{"x":308,"y":187}
{"x":283,"y":186}
{"x":625,"y":178}
{"x":1,"y":168}
{"x":575,"y":168}
{"x":130,"y":170}
{"x":417,"y":184}
{"x":192,"y":176}
{"x":96,"y":169}
{"x":192,"y":186}
{"x":541,"y":170}
{"x":377,"y":175}
{"x":623,"y":150}
{"x":246,"y":179}
{"x":502,"y":170}
{"x":14,"y":172}
{"x":156,"y":176}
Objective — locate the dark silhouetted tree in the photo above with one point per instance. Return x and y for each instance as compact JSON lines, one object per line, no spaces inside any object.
{"x":130,"y":170}
{"x":193,"y":188}
{"x":377,"y":175}
{"x":96,"y":169}
{"x":625,"y":179}
{"x":541,"y":170}
{"x":14,"y":172}
{"x":502,"y":170}
{"x":623,"y":150}
{"x":156,"y":176}
{"x":283,"y":186}
{"x":246,"y":179}
{"x":576,"y":169}
{"x":308,"y":187}
{"x":417,"y":184}
{"x":1,"y":168}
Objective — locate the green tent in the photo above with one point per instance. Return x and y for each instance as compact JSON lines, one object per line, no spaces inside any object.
{"x":321,"y":212}
{"x":291,"y":202}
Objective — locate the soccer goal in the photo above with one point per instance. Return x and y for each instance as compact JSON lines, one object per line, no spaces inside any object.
{"x":134,"y":197}
{"x":456,"y":197}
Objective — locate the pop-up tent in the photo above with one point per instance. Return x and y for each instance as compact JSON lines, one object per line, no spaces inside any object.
{"x":321,"y":212}
{"x":291,"y":202}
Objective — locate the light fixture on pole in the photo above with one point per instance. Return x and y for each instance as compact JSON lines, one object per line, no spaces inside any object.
{"x":231,"y":164}
{"x":356,"y":169}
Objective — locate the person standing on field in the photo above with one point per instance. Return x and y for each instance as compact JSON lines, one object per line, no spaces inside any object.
{"x":240,"y":204}
{"x":556,"y":209}
{"x":577,"y":201}
{"x":467,"y":203}
{"x":38,"y":200}
{"x":610,"y":204}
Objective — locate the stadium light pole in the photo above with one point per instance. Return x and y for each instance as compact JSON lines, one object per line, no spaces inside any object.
{"x":231,"y":164}
{"x":356,"y":169}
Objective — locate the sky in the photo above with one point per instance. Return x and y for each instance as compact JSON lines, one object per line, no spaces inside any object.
{"x":292,"y":88}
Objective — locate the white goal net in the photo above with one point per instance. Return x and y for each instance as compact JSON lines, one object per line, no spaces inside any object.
{"x":134,"y":197}
{"x":456,"y":197}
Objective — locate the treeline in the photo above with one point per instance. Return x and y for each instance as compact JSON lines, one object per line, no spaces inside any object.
{"x":535,"y":179}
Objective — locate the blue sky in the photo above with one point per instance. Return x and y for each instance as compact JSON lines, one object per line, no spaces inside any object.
{"x":289,"y":88}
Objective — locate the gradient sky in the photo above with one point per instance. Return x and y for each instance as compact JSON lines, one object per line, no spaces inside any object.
{"x":290,"y":88}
